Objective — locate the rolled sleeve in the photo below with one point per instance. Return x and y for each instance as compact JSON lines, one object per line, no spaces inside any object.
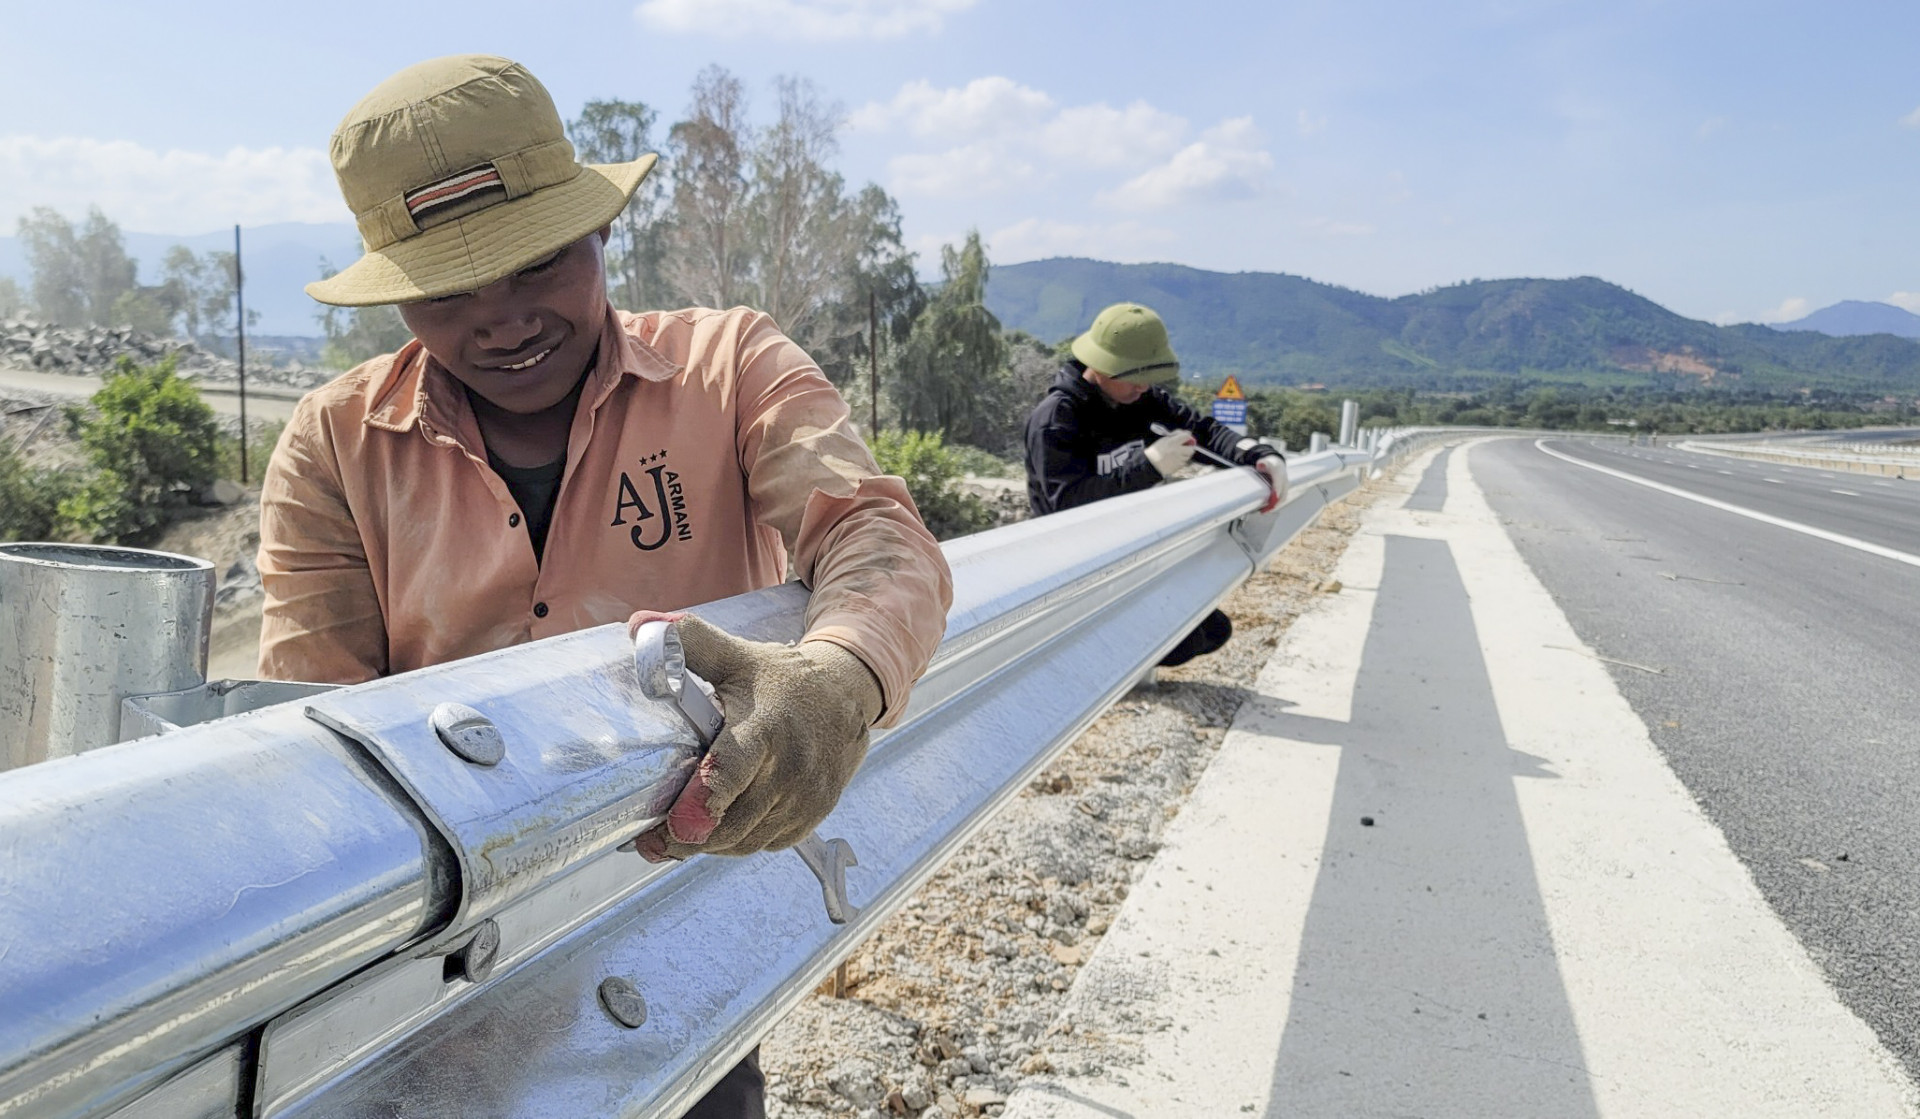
{"x":881,"y":586}
{"x":321,"y":620}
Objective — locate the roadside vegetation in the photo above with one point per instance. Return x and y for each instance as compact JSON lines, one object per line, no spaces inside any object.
{"x":149,"y":449}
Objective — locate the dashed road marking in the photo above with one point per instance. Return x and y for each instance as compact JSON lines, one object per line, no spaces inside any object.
{"x":1853,"y":542}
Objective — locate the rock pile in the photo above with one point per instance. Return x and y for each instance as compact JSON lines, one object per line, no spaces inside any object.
{"x":92,"y":350}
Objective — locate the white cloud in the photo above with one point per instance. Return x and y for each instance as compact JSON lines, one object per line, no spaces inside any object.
{"x":1708,"y":127}
{"x":994,"y":135}
{"x":1226,"y":164}
{"x":1905,"y":300}
{"x":1791,"y":308}
{"x":1036,"y":238}
{"x":1911,"y":120}
{"x":1309,"y":125}
{"x":963,"y":172}
{"x":981,"y":107}
{"x":170,"y":191}
{"x":816,"y":20}
{"x":1102,"y":136}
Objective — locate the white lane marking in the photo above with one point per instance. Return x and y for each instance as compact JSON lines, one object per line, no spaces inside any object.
{"x":1883,"y":483}
{"x":1616,"y":847}
{"x":1775,"y":481}
{"x":1848,"y":493}
{"x":1598,"y":832}
{"x":1853,"y":542}
{"x":1728,"y":473}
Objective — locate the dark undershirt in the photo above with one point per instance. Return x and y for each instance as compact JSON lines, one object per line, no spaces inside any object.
{"x":534,"y":489}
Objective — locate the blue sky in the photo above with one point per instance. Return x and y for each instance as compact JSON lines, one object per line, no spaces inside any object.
{"x":1734,"y":161}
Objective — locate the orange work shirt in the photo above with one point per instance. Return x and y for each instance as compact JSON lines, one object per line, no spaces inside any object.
{"x":705,"y":444}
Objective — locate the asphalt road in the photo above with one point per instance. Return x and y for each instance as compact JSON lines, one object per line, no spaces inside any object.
{"x":1775,"y":670}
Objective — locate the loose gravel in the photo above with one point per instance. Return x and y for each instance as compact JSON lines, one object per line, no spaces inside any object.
{"x":956,"y":1000}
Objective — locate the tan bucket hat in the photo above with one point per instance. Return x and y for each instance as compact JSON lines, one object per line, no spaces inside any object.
{"x":459,"y":173}
{"x":1129,"y":343}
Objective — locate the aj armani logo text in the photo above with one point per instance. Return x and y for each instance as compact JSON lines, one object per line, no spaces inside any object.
{"x":669,"y":499}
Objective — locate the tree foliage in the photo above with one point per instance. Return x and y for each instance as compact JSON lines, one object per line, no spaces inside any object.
{"x":202,"y":287}
{"x":152,"y":443}
{"x":948,"y":371}
{"x":706,"y":250}
{"x":931,"y":470}
{"x":357,"y":334}
{"x":79,"y":275}
{"x":30,"y":496}
{"x":614,"y":131}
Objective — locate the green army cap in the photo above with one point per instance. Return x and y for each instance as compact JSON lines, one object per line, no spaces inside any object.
{"x":1129,"y":342}
{"x":459,"y":173}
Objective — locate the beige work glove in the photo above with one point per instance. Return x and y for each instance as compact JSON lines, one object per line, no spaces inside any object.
{"x":1171,"y":452}
{"x":797,"y":719}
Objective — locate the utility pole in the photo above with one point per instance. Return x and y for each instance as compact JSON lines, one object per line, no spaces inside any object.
{"x":873,"y":365}
{"x":240,"y":344}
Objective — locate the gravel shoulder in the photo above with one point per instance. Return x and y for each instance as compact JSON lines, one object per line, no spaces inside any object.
{"x":955,"y":1001}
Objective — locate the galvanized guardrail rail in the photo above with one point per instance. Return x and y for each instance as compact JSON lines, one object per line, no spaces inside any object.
{"x":358,"y":903}
{"x":1891,"y":460}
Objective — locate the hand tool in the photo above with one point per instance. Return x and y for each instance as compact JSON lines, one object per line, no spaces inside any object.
{"x":664,"y":674}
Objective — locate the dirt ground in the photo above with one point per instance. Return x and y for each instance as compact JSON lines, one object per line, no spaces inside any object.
{"x":955,"y":1000}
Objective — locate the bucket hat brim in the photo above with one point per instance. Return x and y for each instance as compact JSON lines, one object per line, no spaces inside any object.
{"x":1161,"y":369}
{"x":470,"y":252}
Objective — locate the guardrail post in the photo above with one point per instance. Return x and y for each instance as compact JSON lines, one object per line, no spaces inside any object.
{"x":83,"y":627}
{"x":1317,"y":443}
{"x":1349,"y":422}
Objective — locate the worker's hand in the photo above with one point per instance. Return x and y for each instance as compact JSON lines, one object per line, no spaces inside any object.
{"x":797,"y":719}
{"x":1171,"y":452}
{"x":1274,"y":469}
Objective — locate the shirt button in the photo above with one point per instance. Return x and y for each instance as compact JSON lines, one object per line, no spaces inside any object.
{"x":513,"y":520}
{"x":539,"y":609}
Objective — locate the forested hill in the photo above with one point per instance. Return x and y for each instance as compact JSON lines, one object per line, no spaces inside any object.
{"x":1278,"y":329}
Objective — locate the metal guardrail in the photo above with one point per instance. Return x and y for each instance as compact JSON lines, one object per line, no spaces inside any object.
{"x":1887,"y":460}
{"x":340,"y":906}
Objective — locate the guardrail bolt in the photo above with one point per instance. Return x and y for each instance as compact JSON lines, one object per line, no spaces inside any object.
{"x":468,"y":733}
{"x":622,"y":1002}
{"x":474,"y":961}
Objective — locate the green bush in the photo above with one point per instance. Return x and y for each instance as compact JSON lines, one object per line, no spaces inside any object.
{"x":153,"y":444}
{"x":30,"y":497}
{"x":930,"y":469}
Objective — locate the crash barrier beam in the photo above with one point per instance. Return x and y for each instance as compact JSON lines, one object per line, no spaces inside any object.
{"x":1887,"y":460}
{"x":406,"y":896}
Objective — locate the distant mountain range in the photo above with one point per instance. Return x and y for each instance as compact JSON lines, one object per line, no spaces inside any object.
{"x":280,"y":260}
{"x":1279,"y":329}
{"x":1851,"y":317}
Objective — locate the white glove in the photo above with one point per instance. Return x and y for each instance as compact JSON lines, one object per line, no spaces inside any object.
{"x":1171,"y":452}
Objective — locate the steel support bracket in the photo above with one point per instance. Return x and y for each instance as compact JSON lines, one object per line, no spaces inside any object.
{"x":523,"y":774}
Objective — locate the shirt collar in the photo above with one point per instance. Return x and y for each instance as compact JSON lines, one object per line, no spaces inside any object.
{"x":414,"y":386}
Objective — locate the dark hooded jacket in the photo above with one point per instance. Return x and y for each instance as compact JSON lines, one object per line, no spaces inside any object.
{"x":1082,"y":447}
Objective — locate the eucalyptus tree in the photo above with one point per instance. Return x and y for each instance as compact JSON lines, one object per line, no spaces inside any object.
{"x":613,"y":131}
